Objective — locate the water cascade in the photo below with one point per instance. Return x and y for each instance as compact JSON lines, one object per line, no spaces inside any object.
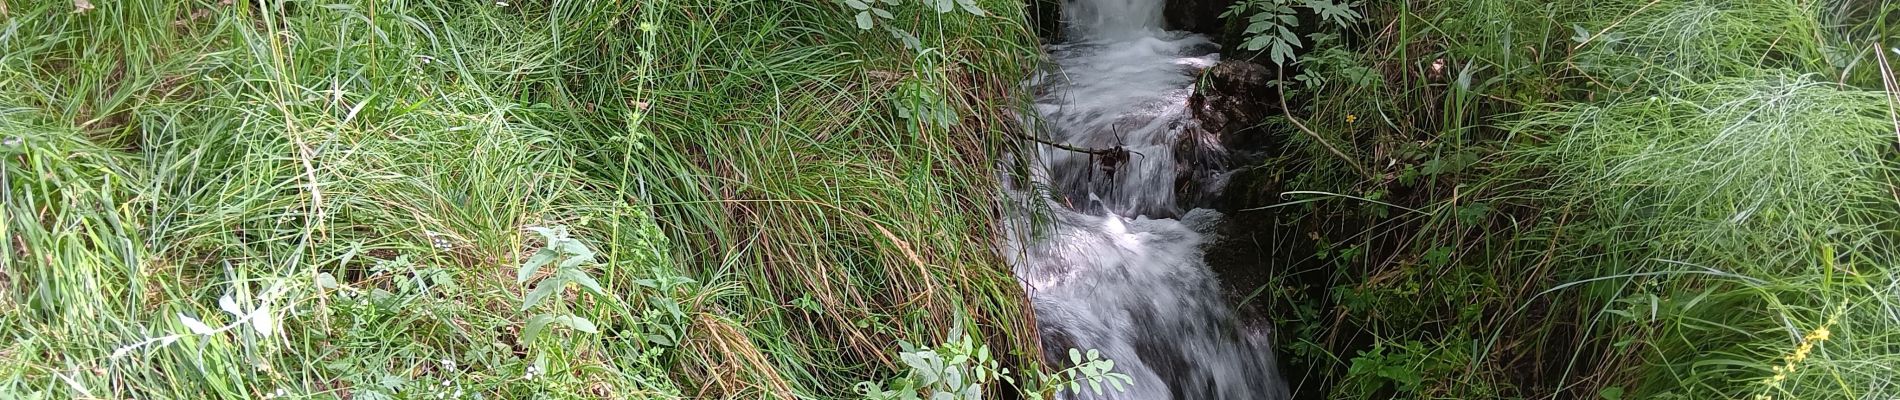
{"x":1115,"y":264}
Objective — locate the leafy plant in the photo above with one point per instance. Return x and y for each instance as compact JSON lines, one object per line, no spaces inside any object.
{"x":569,"y":257}
{"x":261,"y":318}
{"x":869,"y":12}
{"x":961,"y":367}
{"x":1271,"y":24}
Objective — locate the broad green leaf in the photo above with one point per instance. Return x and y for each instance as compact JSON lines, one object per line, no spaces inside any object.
{"x":540,"y":258}
{"x":586,"y":282}
{"x":864,"y":20}
{"x":574,"y":262}
{"x":1258,"y":42}
{"x":550,"y":234}
{"x":546,"y":288}
{"x":1611,"y":393}
{"x":536,"y":325}
{"x":660,"y":339}
{"x":1257,"y":27}
{"x":915,"y":361}
{"x":671,"y":307}
{"x":325,"y":281}
{"x":971,"y":7}
{"x":578,"y":323}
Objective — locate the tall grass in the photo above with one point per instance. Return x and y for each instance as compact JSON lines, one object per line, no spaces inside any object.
{"x":1625,"y":199}
{"x":1724,"y":225}
{"x":769,"y":224}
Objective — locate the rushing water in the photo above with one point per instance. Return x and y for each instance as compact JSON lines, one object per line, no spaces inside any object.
{"x":1111,"y":271}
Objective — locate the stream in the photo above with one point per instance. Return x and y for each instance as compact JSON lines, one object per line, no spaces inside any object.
{"x":1115,"y":263}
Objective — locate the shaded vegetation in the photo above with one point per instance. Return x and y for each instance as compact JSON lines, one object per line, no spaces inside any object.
{"x":332,"y":199}
{"x":1622,"y":199}
{"x":763,"y":199}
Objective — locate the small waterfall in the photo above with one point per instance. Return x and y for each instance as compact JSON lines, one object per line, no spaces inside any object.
{"x":1111,"y":18}
{"x":1111,"y":271}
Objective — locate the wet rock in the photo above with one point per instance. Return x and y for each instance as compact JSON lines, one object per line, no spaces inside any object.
{"x":1234,"y":99}
{"x":1228,"y":107}
{"x":1198,"y":16}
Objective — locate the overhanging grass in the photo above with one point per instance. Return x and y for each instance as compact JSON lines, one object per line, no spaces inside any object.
{"x":173,"y":153}
{"x":1719,"y":226}
{"x":1624,"y":199}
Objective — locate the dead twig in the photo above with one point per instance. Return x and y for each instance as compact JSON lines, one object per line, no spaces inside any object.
{"x":1085,"y":150}
{"x":1110,"y":158}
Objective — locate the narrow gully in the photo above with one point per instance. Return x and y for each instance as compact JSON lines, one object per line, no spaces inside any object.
{"x":1115,"y":263}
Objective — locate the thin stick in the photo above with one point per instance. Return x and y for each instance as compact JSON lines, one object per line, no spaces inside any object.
{"x":1288,"y":112}
{"x":1099,"y":152}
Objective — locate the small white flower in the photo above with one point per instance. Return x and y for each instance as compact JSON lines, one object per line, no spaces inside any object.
{"x":439,"y":240}
{"x":448,"y":365}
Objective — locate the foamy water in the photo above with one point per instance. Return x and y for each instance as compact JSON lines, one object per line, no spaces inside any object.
{"x":1105,"y":274}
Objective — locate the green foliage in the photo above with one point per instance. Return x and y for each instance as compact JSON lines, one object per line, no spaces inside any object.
{"x":1697,"y":41}
{"x":960,"y":368}
{"x":1625,"y":199}
{"x":570,"y":257}
{"x":1271,"y":25}
{"x":367,"y":173}
{"x":869,"y":12}
{"x":1736,"y":172}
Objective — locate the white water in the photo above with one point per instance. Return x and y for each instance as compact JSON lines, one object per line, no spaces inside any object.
{"x":1106,"y":274}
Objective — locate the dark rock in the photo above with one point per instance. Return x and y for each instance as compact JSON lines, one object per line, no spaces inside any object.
{"x":1234,"y":99}
{"x":1198,"y":16}
{"x":1228,"y":107}
{"x":1046,"y":16}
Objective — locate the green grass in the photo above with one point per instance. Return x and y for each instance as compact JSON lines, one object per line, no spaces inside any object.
{"x":1722,"y":223}
{"x":1630,"y":199}
{"x":769,"y":223}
